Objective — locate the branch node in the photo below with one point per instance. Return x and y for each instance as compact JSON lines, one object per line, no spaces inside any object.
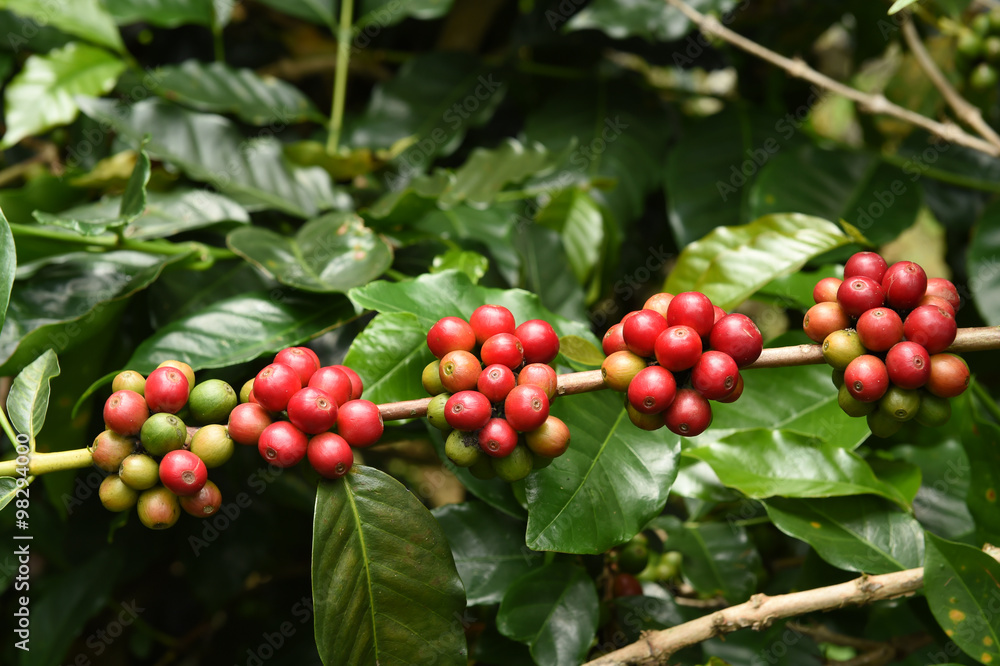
{"x":757,"y":600}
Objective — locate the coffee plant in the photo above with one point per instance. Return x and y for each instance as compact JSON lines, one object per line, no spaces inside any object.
{"x":537,"y":332}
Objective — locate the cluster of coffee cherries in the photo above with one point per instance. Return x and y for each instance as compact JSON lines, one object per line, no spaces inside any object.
{"x":977,"y":52}
{"x":492,"y":387}
{"x":884,"y":330}
{"x":674,"y":355}
{"x":156,"y":461}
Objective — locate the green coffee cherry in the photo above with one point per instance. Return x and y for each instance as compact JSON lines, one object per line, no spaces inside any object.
{"x":991,"y":50}
{"x":110,"y":449}
{"x":934,"y":411}
{"x":115,"y":495}
{"x":837,"y":377}
{"x":970,"y":45}
{"x":883,"y":425}
{"x":245,"y":391}
{"x":435,"y":412}
{"x":431,"y":378}
{"x":514,"y":466}
{"x":212,"y":401}
{"x":634,"y":556}
{"x":139,"y":471}
{"x":983,"y":77}
{"x":841,"y":347}
{"x":980,"y":25}
{"x":901,"y":404}
{"x":483,"y":469}
{"x":851,"y":405}
{"x":129,"y":380}
{"x":462,"y":448}
{"x":162,"y":433}
{"x":213,"y":445}
{"x":158,"y":508}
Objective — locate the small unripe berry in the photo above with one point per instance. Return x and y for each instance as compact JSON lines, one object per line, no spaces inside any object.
{"x":115,"y":495}
{"x":503,"y":349}
{"x":514,"y":466}
{"x":866,"y":378}
{"x":213,"y":444}
{"x":158,"y":508}
{"x":312,"y":411}
{"x":330,"y":455}
{"x":737,"y":336}
{"x":526,"y":407}
{"x":868,"y":264}
{"x":652,"y":390}
{"x":883,"y":425}
{"x":643,"y":421}
{"x":904,"y":284}
{"x":357,"y":386}
{"x":659,"y":303}
{"x":899,"y":403}
{"x":167,"y":390}
{"x":934,"y":411}
{"x":431,"y":379}
{"x":678,"y":348}
{"x":247,"y":422}
{"x":641,"y":330}
{"x":539,"y":340}
{"x":826,"y":290}
{"x":435,"y":411}
{"x":360,"y":423}
{"x":497,"y":438}
{"x":689,"y":414}
{"x":489,"y":320}
{"x":275,"y":385}
{"x":931,"y":327}
{"x":204,"y":503}
{"x":211,"y":401}
{"x":714,"y":375}
{"x":163,"y":433}
{"x":541,"y":375}
{"x":125,"y":412}
{"x":301,"y":360}
{"x":282,"y":444}
{"x":110,"y":449}
{"x":859,"y":294}
{"x":496,"y":381}
{"x":450,"y":334}
{"x":949,"y":376}
{"x":246,"y":390}
{"x":694,"y":309}
{"x":613,"y":340}
{"x":129,"y":380}
{"x":335,"y":383}
{"x":139,"y":471}
{"x":619,"y":369}
{"x":183,"y":473}
{"x":467,"y":410}
{"x":483,"y":468}
{"x":185,"y":369}
{"x":841,"y":347}
{"x":462,"y":448}
{"x":908,"y":364}
{"x":823,"y":319}
{"x":549,"y":440}
{"x":879,"y":329}
{"x":852,"y":406}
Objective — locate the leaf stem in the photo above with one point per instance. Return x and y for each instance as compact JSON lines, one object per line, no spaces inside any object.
{"x":340,"y":77}
{"x":8,"y":429}
{"x":112,"y":242}
{"x":57,"y":461}
{"x":987,"y":400}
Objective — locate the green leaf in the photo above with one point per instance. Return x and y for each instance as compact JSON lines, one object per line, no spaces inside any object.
{"x":241,"y":328}
{"x":554,"y":611}
{"x":960,"y":583}
{"x":490,"y":231}
{"x":162,"y":13}
{"x":41,"y":96}
{"x":8,"y":266}
{"x":389,"y":356}
{"x":316,"y":11}
{"x":489,"y":549}
{"x":84,"y":227}
{"x":863,"y":534}
{"x":654,"y":20}
{"x":795,"y":290}
{"x":134,"y":198}
{"x":900,"y":5}
{"x":879,"y":199}
{"x":546,"y":269}
{"x":768,"y":463}
{"x":980,"y":438}
{"x":332,"y":253}
{"x":217,"y":88}
{"x":385,"y":587}
{"x":471,"y":263}
{"x":210,"y":148}
{"x":388,"y":12}
{"x":84,"y":18}
{"x":8,"y":490}
{"x":982,"y":257}
{"x":577,"y":218}
{"x":940,"y":504}
{"x":731,"y":263}
{"x":28,"y":400}
{"x":576,"y":349}
{"x":611,"y":481}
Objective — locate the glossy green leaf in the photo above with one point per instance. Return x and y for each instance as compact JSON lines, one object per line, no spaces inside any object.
{"x":489,"y":231}
{"x":576,"y":349}
{"x":960,"y":583}
{"x":386,"y":12}
{"x":778,"y":645}
{"x":636,"y":614}
{"x":731,"y":263}
{"x":25,"y":32}
{"x":241,"y":328}
{"x":795,"y":290}
{"x":389,"y":355}
{"x":546,"y":271}
{"x":865,"y":534}
{"x":488,"y":547}
{"x":210,"y":148}
{"x":332,"y":253}
{"x":719,"y":558}
{"x":471,"y":263}
{"x":611,"y":481}
{"x":554,"y":611}
{"x":654,"y":20}
{"x":940,"y":504}
{"x":984,"y":278}
{"x":28,"y":400}
{"x":577,"y":218}
{"x":900,"y":5}
{"x":134,"y":198}
{"x":183,"y":293}
{"x":84,"y":18}
{"x":217,"y":88}
{"x":877,"y":198}
{"x":163,"y":13}
{"x":322,"y":12}
{"x":8,"y":490}
{"x":385,"y":587}
{"x":768,"y":463}
{"x":42,"y":95}
{"x":980,"y":439}
{"x":8,"y":265}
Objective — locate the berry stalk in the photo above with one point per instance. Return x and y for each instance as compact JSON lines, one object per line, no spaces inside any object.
{"x":43,"y":463}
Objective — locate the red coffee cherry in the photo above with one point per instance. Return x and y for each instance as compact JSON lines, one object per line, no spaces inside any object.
{"x":360,"y":423}
{"x":539,"y":340}
{"x":619,"y":369}
{"x":182,"y":472}
{"x":823,"y":319}
{"x":859,"y":294}
{"x":641,"y":330}
{"x":247,"y":422}
{"x":549,"y":440}
{"x":719,"y":314}
{"x":496,"y":381}
{"x":626,"y":585}
{"x":735,"y":394}
{"x":714,"y":375}
{"x":125,"y":412}
{"x":869,"y":264}
{"x":689,"y":414}
{"x":949,"y":376}
{"x":541,"y":375}
{"x":908,"y":365}
{"x":357,"y":387}
{"x":652,"y":390}
{"x":497,"y":438}
{"x":904,"y":284}
{"x":613,"y":340}
{"x":282,"y":444}
{"x":678,"y":348}
{"x":931,"y":327}
{"x":167,"y":390}
{"x":300,"y":359}
{"x":459,"y":371}
{"x":658,"y":303}
{"x":944,"y":289}
{"x":489,"y":320}
{"x":826,"y":289}
{"x":879,"y":329}
{"x":450,"y":334}
{"x":468,"y":410}
{"x":937,"y":302}
{"x":312,"y":411}
{"x":503,"y":349}
{"x":737,"y":336}
{"x":274,"y":386}
{"x":204,"y":503}
{"x":526,"y":407}
{"x":330,"y":455}
{"x":866,"y":378}
{"x":334,"y":382}
{"x":694,"y":309}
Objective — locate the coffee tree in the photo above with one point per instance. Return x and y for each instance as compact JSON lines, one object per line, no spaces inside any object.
{"x":499,"y":333}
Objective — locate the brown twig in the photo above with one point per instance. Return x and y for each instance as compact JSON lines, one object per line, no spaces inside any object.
{"x":798,"y":68}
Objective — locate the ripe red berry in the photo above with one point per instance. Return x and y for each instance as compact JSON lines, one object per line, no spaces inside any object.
{"x":526,"y":407}
{"x":360,"y":423}
{"x":541,"y":375}
{"x":932,"y":327}
{"x":937,"y":302}
{"x":626,"y":585}
{"x":619,"y":369}
{"x":908,"y":365}
{"x":689,"y":414}
{"x":334,"y":382}
{"x":468,"y":410}
{"x":823,"y":319}
{"x":167,"y":390}
{"x":904,"y":284}
{"x":357,"y":386}
{"x":949,"y":376}
{"x":125,"y":412}
{"x":641,"y":330}
{"x":274,"y":386}
{"x":496,"y":381}
{"x":503,"y":349}
{"x":613,"y":340}
{"x":182,"y":472}
{"x":539,"y":339}
{"x":204,"y":503}
{"x":719,"y":314}
{"x":879,"y":329}
{"x":282,"y":444}
{"x":459,"y":371}
{"x":330,"y":455}
{"x":714,"y":375}
{"x":735,"y":394}
{"x":300,"y":359}
{"x":694,"y":309}
{"x":247,"y":422}
{"x":652,"y":390}
{"x":866,"y":378}
{"x":497,"y":438}
{"x":738,"y":336}
{"x":678,"y":348}
{"x":659,"y":303}
{"x":826,"y":289}
{"x":450,"y":334}
{"x":869,"y":264}
{"x":312,"y":411}
{"x":859,"y":294}
{"x":944,"y":289}
{"x":488,"y":320}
